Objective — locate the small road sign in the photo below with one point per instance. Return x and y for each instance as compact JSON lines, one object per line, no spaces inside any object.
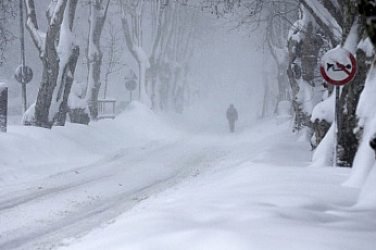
{"x":130,"y":85}
{"x":23,"y":76}
{"x":338,"y":66}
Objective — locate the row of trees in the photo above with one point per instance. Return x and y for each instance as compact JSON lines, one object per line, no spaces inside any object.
{"x":297,"y":34}
{"x":162,"y":52}
{"x":7,"y":13}
{"x":324,"y":25}
{"x":320,"y":26}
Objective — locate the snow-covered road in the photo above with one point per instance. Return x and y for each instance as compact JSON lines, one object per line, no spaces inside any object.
{"x":42,"y":212}
{"x":262,"y":195}
{"x":160,"y":189}
{"x":69,"y":203}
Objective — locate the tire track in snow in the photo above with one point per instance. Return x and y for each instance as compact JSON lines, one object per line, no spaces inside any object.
{"x":93,"y":213}
{"x":79,"y":212}
{"x":37,"y":192}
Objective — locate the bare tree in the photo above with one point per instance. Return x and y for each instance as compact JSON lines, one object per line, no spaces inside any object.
{"x":7,"y":12}
{"x":160,"y":25}
{"x":98,"y":13}
{"x":114,"y":53}
{"x":182,"y":51}
{"x":132,"y":18}
{"x":176,"y":26}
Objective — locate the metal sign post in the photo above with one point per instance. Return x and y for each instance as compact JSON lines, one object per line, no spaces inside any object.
{"x":23,"y":56}
{"x":23,"y":74}
{"x":338,"y":67}
{"x":336,"y":119}
{"x":130,"y":85}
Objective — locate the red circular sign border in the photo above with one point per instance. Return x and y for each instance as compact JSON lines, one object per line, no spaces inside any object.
{"x":344,"y":81}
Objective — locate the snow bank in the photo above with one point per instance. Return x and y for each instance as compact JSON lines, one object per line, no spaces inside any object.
{"x":29,"y":153}
{"x":367,"y":198}
{"x":145,"y":123}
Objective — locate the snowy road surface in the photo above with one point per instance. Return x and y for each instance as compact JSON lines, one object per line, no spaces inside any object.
{"x":266,"y":199}
{"x":196,"y":190}
{"x":79,"y":199}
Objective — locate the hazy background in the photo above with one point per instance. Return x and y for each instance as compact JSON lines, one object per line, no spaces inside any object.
{"x":228,"y":66}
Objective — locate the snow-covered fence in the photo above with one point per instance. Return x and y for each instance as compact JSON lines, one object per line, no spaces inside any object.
{"x":106,"y":108}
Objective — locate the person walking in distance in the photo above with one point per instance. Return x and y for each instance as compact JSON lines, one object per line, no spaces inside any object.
{"x":232,"y":117}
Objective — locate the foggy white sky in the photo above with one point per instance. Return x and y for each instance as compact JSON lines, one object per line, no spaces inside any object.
{"x":229,"y":69}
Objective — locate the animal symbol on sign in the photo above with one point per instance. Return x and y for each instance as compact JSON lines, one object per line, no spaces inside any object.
{"x":337,"y":67}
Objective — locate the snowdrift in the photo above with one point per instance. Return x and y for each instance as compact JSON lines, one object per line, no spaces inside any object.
{"x":29,"y":153}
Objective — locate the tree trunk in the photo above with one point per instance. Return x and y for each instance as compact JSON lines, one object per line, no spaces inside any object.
{"x":57,"y":76}
{"x":132,"y":35}
{"x":347,"y":139}
{"x":68,"y":73}
{"x":347,"y":122}
{"x":303,"y":61}
{"x":98,"y":14}
{"x":279,"y":53}
{"x":367,"y":9}
{"x":49,"y":78}
{"x":294,"y":74}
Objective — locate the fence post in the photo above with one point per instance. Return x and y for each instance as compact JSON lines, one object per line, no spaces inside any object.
{"x":3,"y":108}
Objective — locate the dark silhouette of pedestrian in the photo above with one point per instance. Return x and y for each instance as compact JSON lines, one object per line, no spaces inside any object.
{"x":232,"y":117}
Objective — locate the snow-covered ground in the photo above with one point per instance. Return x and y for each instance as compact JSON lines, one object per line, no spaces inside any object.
{"x":145,"y":182}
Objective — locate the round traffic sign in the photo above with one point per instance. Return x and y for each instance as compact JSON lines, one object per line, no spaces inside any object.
{"x":130,"y":85}
{"x":23,"y":74}
{"x":338,"y":66}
